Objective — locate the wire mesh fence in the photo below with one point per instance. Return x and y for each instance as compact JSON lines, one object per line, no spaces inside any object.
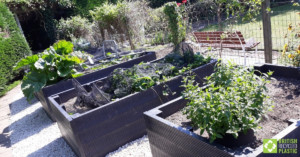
{"x":205,"y":17}
{"x":283,"y":14}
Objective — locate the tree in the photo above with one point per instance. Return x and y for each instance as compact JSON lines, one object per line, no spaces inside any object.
{"x":248,"y":9}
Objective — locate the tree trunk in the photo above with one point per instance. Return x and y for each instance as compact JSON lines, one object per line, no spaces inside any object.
{"x":132,"y":46}
{"x":128,"y":34}
{"x":102,"y":34}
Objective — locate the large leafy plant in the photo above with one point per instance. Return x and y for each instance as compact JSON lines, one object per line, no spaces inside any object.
{"x":63,"y":47}
{"x":233,"y":101}
{"x":48,"y":68}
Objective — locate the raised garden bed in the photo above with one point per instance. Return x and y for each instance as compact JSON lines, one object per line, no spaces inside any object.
{"x":170,"y":132}
{"x":106,"y":128}
{"x":96,"y":75}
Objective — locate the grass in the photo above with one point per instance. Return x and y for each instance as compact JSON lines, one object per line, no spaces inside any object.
{"x":281,"y":17}
{"x":10,"y":87}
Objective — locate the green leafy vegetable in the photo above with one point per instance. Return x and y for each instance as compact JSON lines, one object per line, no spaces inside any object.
{"x":47,"y":68}
{"x":63,"y":47}
{"x":233,"y":101}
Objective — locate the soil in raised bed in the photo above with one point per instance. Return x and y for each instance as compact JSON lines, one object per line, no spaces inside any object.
{"x":286,"y":96}
{"x":72,"y":109}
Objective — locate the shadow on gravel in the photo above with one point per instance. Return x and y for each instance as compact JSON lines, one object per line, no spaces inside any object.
{"x":57,"y":148}
{"x":4,"y":138}
{"x":24,"y":103}
{"x":30,"y":124}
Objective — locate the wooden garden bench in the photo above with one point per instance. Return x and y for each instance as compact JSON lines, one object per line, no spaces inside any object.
{"x":232,"y":40}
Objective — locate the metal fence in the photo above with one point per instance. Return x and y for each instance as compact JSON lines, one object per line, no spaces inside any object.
{"x":203,"y":17}
{"x":282,"y":15}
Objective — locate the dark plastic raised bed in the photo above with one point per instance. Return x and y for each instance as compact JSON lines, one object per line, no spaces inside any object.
{"x":168,"y":139}
{"x":67,"y":84}
{"x":282,"y":71}
{"x":106,"y":128}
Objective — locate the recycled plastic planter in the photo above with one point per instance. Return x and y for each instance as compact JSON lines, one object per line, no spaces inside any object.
{"x":106,"y":128}
{"x":168,"y":139}
{"x":67,"y":84}
{"x":282,"y":71}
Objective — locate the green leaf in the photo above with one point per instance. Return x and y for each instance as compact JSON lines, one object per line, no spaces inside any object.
{"x":29,"y":60}
{"x":77,"y":75}
{"x":52,"y":76}
{"x":33,"y":82}
{"x":39,"y":64}
{"x":63,"y":47}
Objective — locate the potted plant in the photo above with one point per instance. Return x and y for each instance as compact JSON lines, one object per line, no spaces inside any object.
{"x":50,"y":71}
{"x":232,"y":103}
{"x":119,"y":119}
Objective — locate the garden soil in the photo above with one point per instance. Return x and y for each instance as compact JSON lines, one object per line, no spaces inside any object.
{"x":72,"y":109}
{"x":69,"y":105}
{"x":286,"y":96}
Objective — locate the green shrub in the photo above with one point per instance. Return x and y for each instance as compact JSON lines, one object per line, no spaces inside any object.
{"x":233,"y":101}
{"x":82,"y":7}
{"x":32,"y":5}
{"x":114,"y":18}
{"x":159,"y":3}
{"x":176,"y":23}
{"x":74,"y":27}
{"x":49,"y":67}
{"x":13,"y":46}
{"x":157,"y":20}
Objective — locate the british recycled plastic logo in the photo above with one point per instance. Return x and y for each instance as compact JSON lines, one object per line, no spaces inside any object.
{"x":282,"y":146}
{"x":269,"y":146}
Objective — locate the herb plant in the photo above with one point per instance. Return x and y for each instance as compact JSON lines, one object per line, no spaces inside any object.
{"x":49,"y":67}
{"x":233,"y":101}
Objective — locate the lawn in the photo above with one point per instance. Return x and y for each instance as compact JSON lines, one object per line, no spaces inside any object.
{"x":281,"y":17}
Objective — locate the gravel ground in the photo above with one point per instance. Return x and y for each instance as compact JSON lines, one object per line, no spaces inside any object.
{"x":137,"y":148}
{"x":33,"y":134}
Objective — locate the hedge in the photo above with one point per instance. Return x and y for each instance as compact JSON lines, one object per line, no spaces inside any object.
{"x":13,"y":46}
{"x":159,"y":3}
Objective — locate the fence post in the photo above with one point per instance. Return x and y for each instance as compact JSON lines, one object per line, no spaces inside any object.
{"x":266,"y":18}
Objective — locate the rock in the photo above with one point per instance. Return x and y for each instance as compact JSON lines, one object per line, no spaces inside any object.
{"x":186,"y":51}
{"x":183,"y":48}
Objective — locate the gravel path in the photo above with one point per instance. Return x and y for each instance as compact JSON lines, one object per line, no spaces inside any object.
{"x":33,"y":134}
{"x":137,"y":148}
